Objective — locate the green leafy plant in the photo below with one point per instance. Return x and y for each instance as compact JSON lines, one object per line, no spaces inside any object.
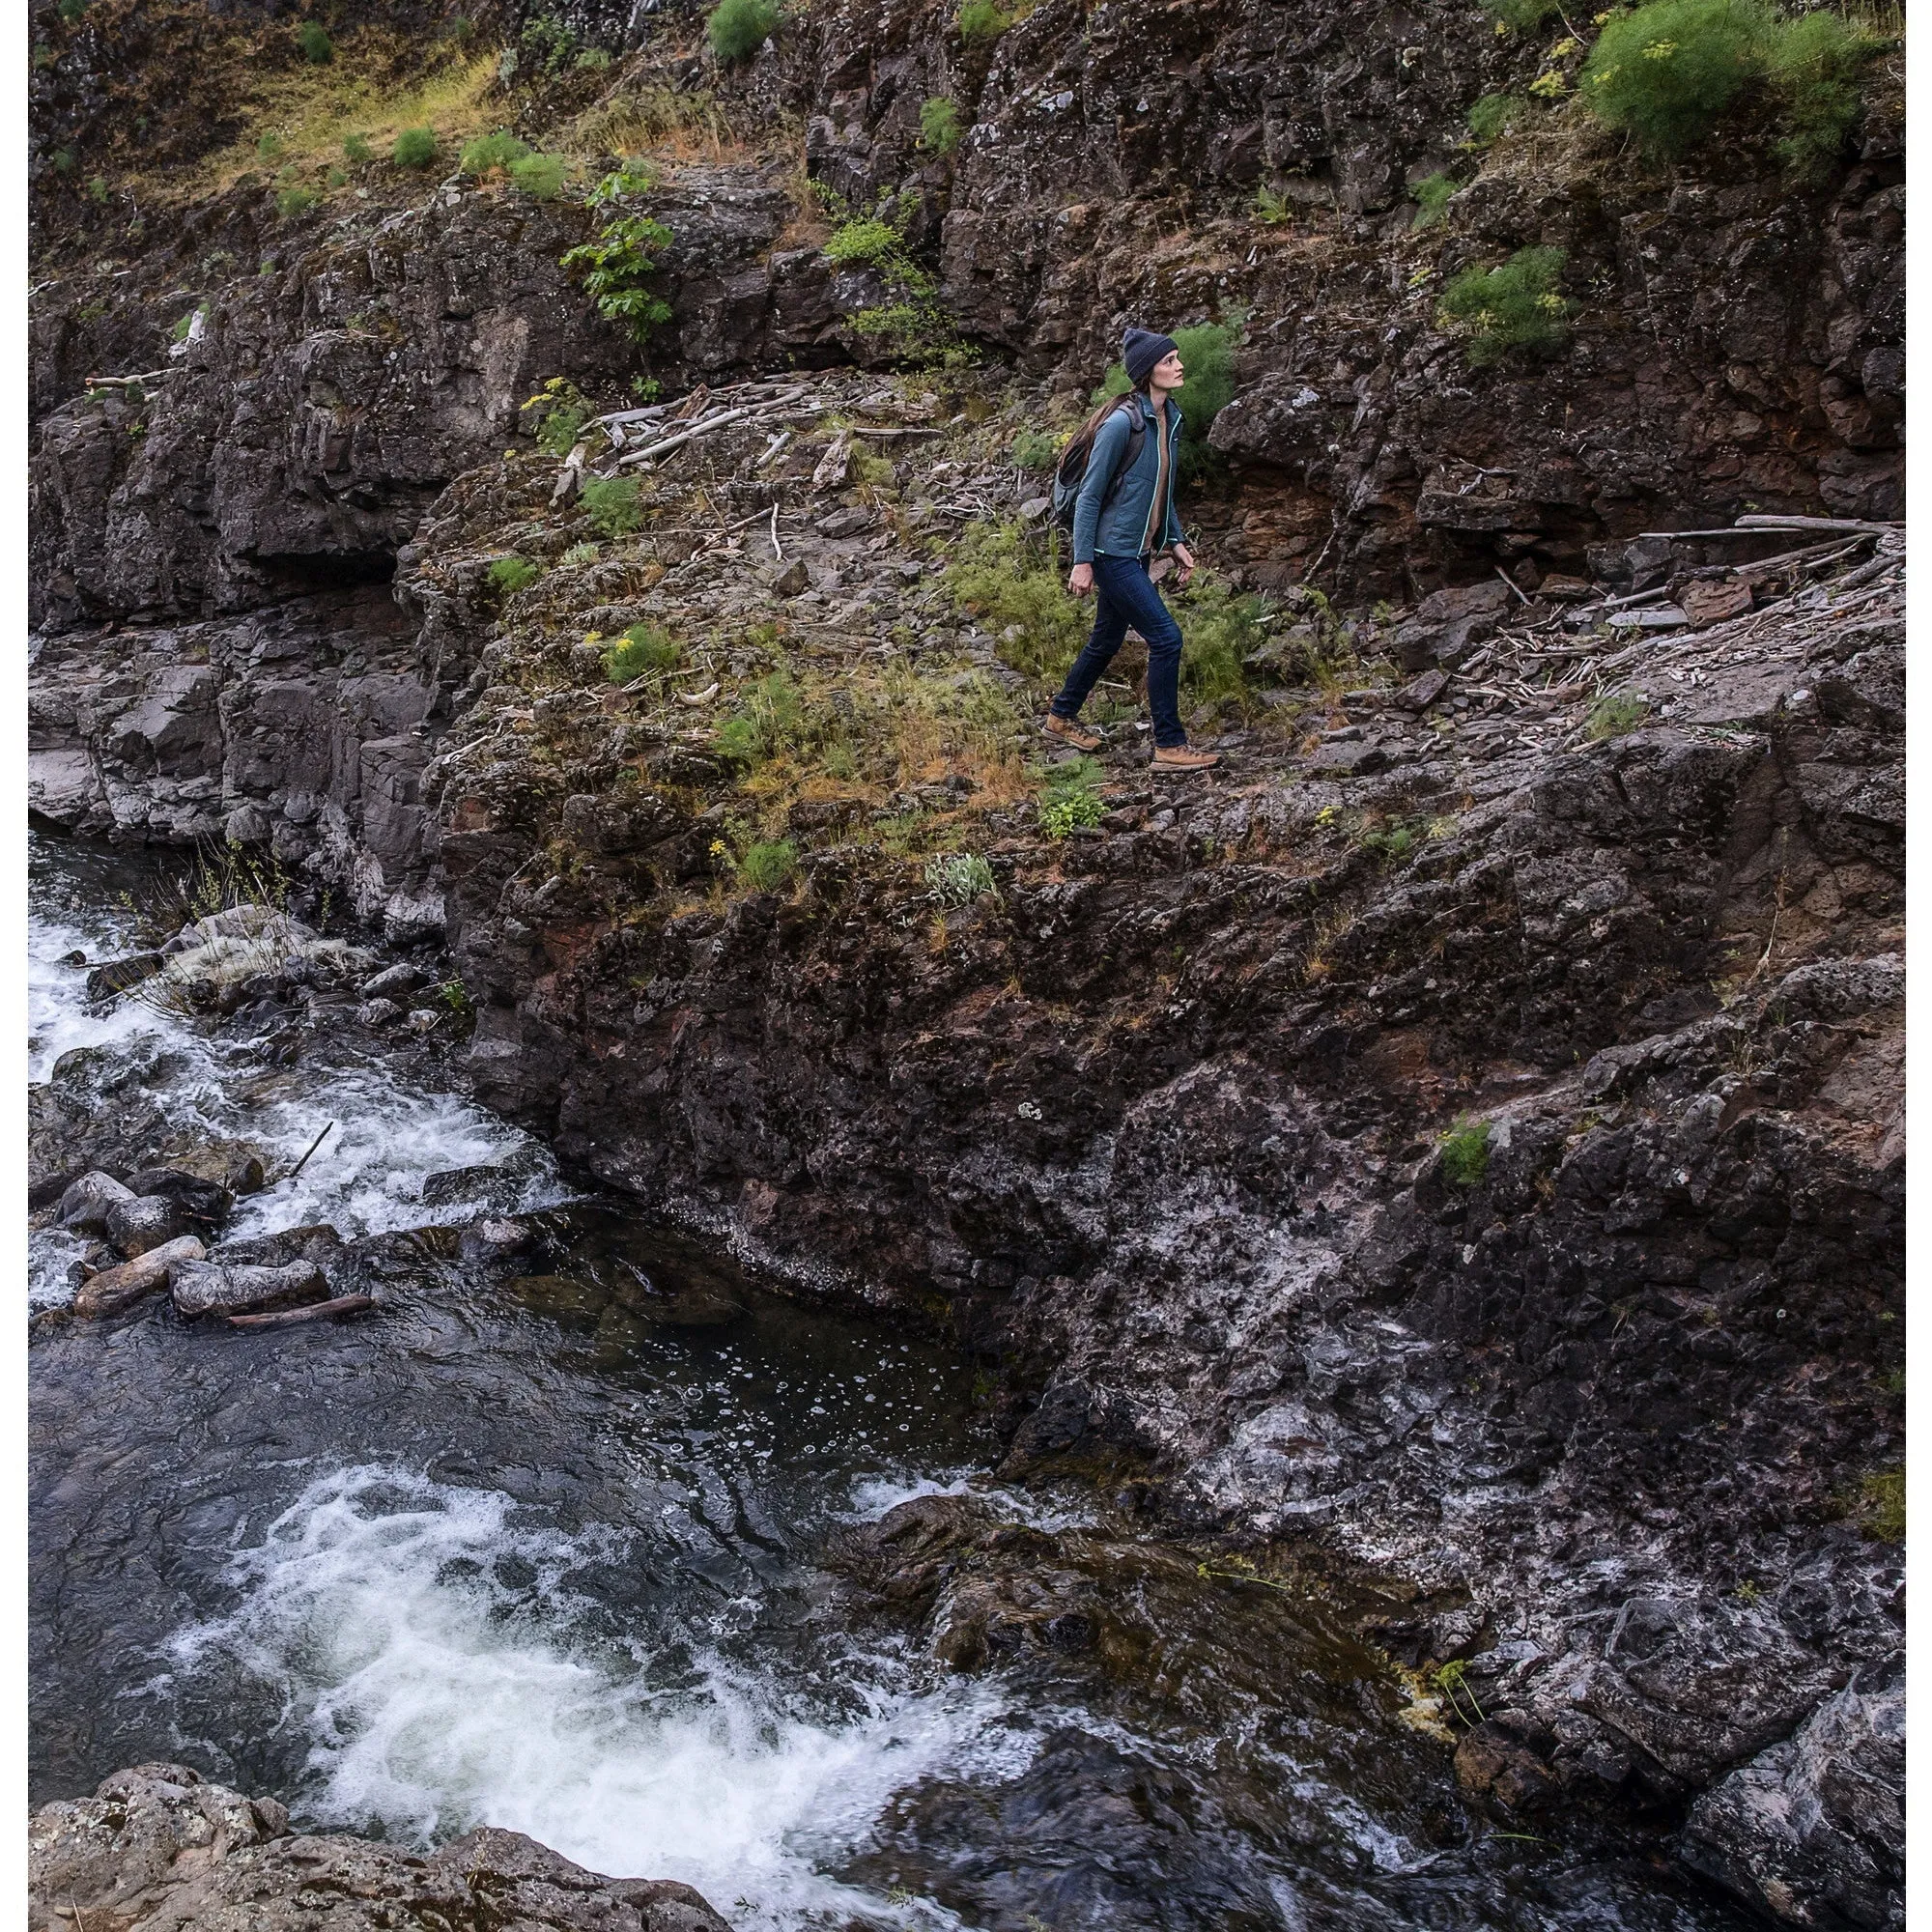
{"x":1432,"y":198}
{"x":1223,"y":628}
{"x":1518,"y":305}
{"x":958,"y":878}
{"x":738,"y":28}
{"x":1465,"y":1155}
{"x":580,"y":554}
{"x":64,"y":160}
{"x":1272,"y":206}
{"x":1816,"y":68}
{"x":1034,"y":449}
{"x":612,"y":505}
{"x":179,"y":332}
{"x":548,"y":42}
{"x":560,"y":411}
{"x":541,"y":177}
{"x":268,"y":145}
{"x":618,"y":264}
{"x":915,"y":323}
{"x":1070,"y":797}
{"x":1613,"y":714}
{"x":1491,"y":115}
{"x":491,"y":152}
{"x":1452,"y":1680}
{"x":509,"y":575}
{"x":1394,"y":843}
{"x":982,"y":20}
{"x":317,"y":47}
{"x":643,"y":649}
{"x":336,"y":176}
{"x":1013,"y":581}
{"x":1668,"y":72}
{"x":415,"y":148}
{"x":1207,"y":355}
{"x":355,"y":149}
{"x":939,"y":129}
{"x":593,"y":60}
{"x":770,"y":719}
{"x":767,"y":865}
{"x":97,"y":189}
{"x":294,"y":201}
{"x":456,"y":997}
{"x":71,"y":11}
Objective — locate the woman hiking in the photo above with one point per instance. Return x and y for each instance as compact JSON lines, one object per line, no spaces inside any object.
{"x":1124,"y":514}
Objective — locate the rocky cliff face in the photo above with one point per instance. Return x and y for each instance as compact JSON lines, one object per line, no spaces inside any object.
{"x":1464,"y":1133}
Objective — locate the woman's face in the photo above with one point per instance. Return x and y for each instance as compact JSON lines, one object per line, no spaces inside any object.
{"x":1168,"y":374}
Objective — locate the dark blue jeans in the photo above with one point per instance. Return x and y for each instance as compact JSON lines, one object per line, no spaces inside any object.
{"x":1127,"y":595}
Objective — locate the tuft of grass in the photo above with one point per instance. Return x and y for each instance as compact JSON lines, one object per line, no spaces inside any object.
{"x":738,"y":28}
{"x":982,"y":20}
{"x":1432,"y":198}
{"x":1034,"y":449}
{"x":270,"y":146}
{"x":1668,"y":72}
{"x":938,"y":129}
{"x":1518,"y":305}
{"x":317,"y":49}
{"x":592,"y":60}
{"x":1881,"y":1505}
{"x":415,"y":148}
{"x":770,"y":719}
{"x":491,"y":152}
{"x":641,"y":649}
{"x":294,"y":201}
{"x":1272,"y":206}
{"x":1612,"y":716}
{"x":1070,"y":797}
{"x":1207,"y":355}
{"x":1394,"y":843}
{"x":541,"y":177}
{"x":1011,"y":580}
{"x":1491,"y":115}
{"x":611,"y":505}
{"x":958,"y":878}
{"x":582,"y":553}
{"x":1465,"y":1155}
{"x":1223,"y":628}
{"x":511,"y":574}
{"x":357,"y":151}
{"x":767,"y":865}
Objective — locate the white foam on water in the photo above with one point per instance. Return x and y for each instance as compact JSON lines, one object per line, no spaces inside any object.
{"x":437,"y":1696}
{"x":871,"y":1497}
{"x":367,"y":1176}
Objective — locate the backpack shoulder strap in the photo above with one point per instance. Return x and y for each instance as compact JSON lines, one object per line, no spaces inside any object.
{"x":1129,"y":456}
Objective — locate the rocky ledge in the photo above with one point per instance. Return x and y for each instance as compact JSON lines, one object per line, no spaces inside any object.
{"x":159,"y":1846}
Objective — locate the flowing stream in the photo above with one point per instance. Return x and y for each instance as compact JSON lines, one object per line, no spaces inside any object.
{"x":538,"y":1550}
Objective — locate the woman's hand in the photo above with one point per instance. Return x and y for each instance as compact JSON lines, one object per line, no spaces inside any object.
{"x":1183,"y":557}
{"x":1081,"y":580}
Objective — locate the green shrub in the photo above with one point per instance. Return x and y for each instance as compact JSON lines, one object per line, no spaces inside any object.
{"x":1014,"y":580}
{"x":617,"y":265}
{"x":767,"y":865}
{"x":336,"y":176}
{"x":294,"y":201}
{"x":1520,"y":15}
{"x":97,"y":189}
{"x":539,"y":176}
{"x":511,"y":574}
{"x":1035,"y":449}
{"x":982,"y":20}
{"x":641,"y":649}
{"x":65,"y":160}
{"x":461,"y":30}
{"x":1432,"y":198}
{"x":958,"y":878}
{"x":1222,"y":629}
{"x":1491,"y":115}
{"x":1070,"y":797}
{"x":611,"y":505}
{"x":770,"y":719}
{"x":866,"y":242}
{"x":1668,"y":72}
{"x":71,"y":11}
{"x":581,"y":552}
{"x":316,"y":46}
{"x":593,"y":60}
{"x":356,"y":148}
{"x":1207,"y":355}
{"x":1612,"y":716}
{"x":268,"y":145}
{"x":1465,"y":1155}
{"x":939,"y":129}
{"x":1272,"y":206}
{"x":548,"y":42}
{"x":738,"y":28}
{"x":915,"y":323}
{"x":1393,"y":842}
{"x":490,"y":152}
{"x":561,"y":410}
{"x":1515,"y":306}
{"x":415,"y":148}
{"x":1816,"y":68}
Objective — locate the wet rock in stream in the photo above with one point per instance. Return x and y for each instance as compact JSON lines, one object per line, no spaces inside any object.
{"x":158,"y":1845}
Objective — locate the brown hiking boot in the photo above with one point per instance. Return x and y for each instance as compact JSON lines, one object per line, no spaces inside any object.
{"x":1184,"y":758}
{"x":1065,"y":729}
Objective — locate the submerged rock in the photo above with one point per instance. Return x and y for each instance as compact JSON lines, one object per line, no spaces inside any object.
{"x":157,"y":1845}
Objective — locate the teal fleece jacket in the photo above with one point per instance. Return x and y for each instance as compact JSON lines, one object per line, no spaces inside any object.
{"x":1119,"y":531}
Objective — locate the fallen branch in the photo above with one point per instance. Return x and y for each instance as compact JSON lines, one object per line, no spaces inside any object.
{"x":653,"y":451}
{"x":704,"y":696}
{"x":777,"y":551}
{"x":891,"y":435}
{"x":287,"y":1317}
{"x":312,"y":1145}
{"x":1522,"y":596}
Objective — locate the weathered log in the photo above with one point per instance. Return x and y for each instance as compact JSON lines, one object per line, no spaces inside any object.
{"x":342,"y":1304}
